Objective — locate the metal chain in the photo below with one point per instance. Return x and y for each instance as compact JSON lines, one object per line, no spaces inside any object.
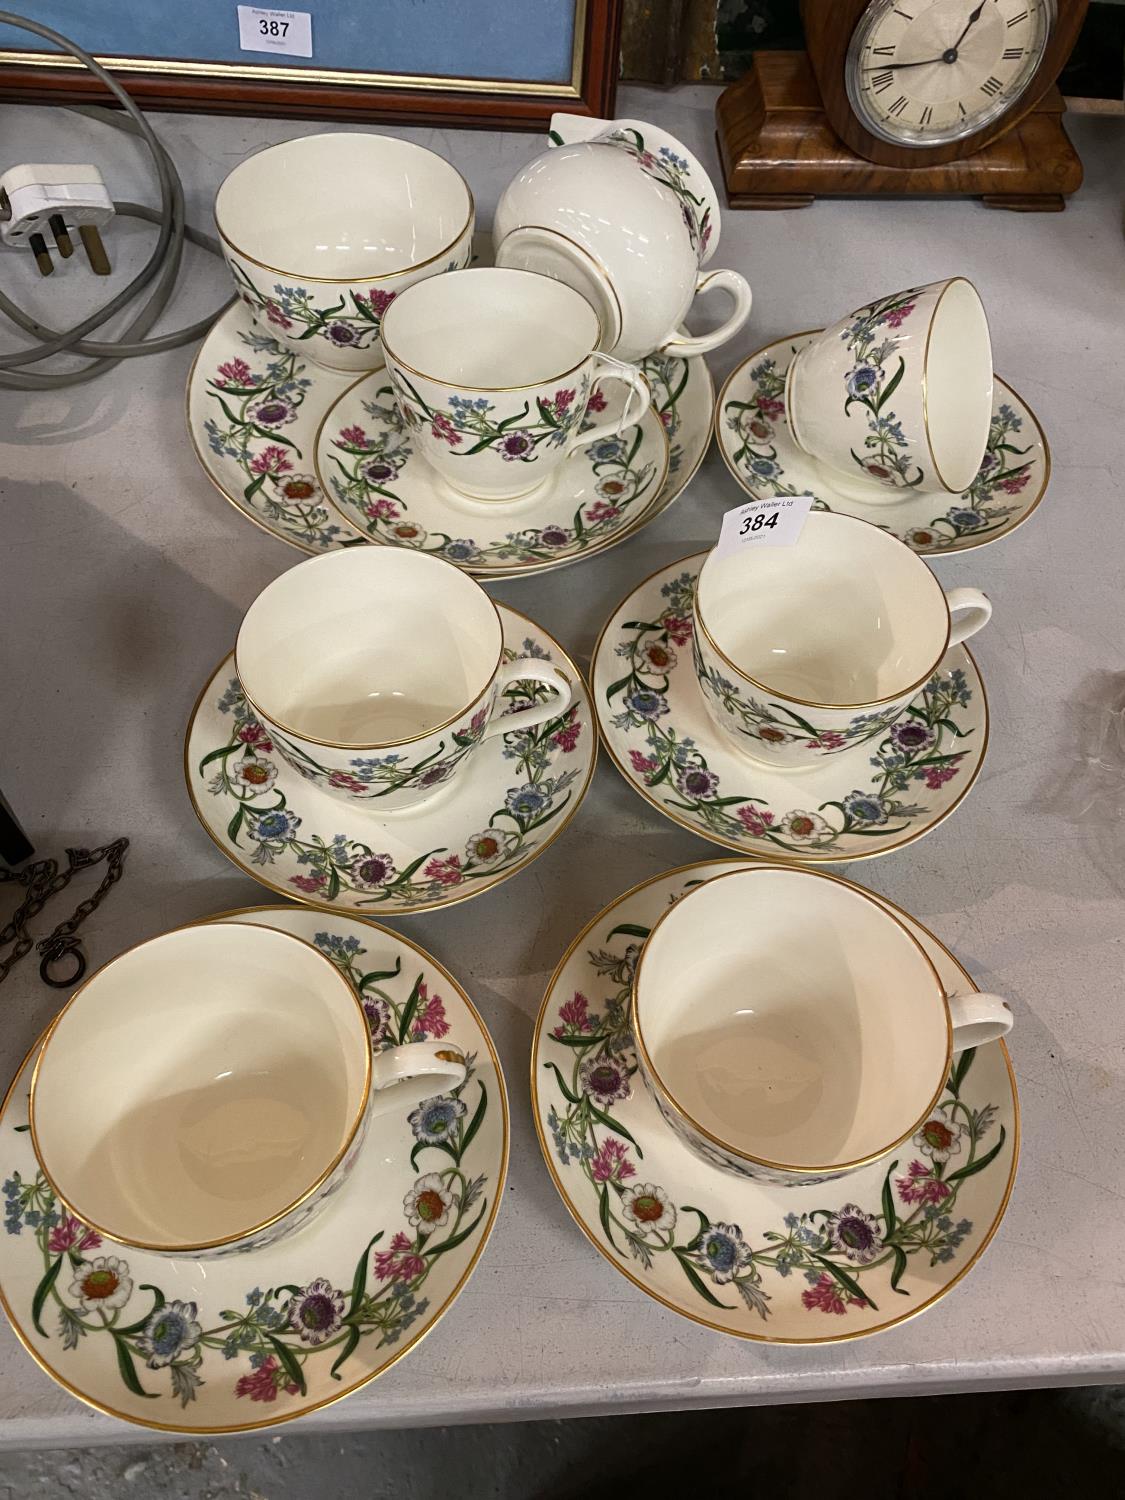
{"x":42,"y":880}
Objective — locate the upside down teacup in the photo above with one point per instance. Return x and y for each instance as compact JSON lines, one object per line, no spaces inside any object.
{"x":322,"y":233}
{"x":498,"y":376}
{"x":897,"y":397}
{"x":791,"y":1029}
{"x":805,"y":651}
{"x":376,"y":672}
{"x":624,"y":213}
{"x":205,"y":1092}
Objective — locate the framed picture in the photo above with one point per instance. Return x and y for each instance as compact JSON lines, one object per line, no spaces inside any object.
{"x":491,"y":63}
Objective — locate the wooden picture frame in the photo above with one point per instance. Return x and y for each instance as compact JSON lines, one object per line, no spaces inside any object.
{"x":274,"y":87}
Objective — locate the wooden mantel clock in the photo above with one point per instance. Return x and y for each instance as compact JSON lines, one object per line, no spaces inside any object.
{"x":935,"y":98}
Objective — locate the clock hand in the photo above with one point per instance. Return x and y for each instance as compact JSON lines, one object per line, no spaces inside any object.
{"x":969,"y":24}
{"x":922,"y":63}
{"x":950,"y":53}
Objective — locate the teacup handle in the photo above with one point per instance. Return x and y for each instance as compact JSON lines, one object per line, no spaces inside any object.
{"x":685,"y":345}
{"x":978,"y":1018}
{"x":616,"y":369}
{"x":537,"y":670}
{"x":413,"y":1072}
{"x":975,"y":609}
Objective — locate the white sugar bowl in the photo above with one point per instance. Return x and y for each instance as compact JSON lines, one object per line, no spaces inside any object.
{"x":625,"y":214}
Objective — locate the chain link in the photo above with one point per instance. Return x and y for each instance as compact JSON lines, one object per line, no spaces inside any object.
{"x":43,"y":879}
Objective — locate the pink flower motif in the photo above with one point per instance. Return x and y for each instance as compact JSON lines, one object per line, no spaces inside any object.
{"x":937,"y":776}
{"x":442,"y":427}
{"x":355,"y":436}
{"x":72,"y":1234}
{"x":828,"y":740}
{"x":597,"y":401}
{"x":646,"y":159}
{"x":445,"y":871}
{"x":271,"y":460}
{"x":235,"y":372}
{"x":561,"y":401}
{"x":644,"y":764}
{"x":898,"y":315}
{"x":770,"y":406}
{"x":566,"y":737}
{"x":677,"y":627}
{"x":755,"y":820}
{"x":573,"y":1016}
{"x":276,"y":316}
{"x":827,"y":1295}
{"x":382,"y":510}
{"x":264,"y":1383}
{"x":344,"y":781}
{"x":666,"y":419}
{"x":610,"y":1164}
{"x":378,"y":301}
{"x":705,"y":237}
{"x":398,"y":1262}
{"x":921,"y":1186}
{"x":478,"y":721}
{"x":1015,"y":484}
{"x":252,"y":733}
{"x":310,"y":884}
{"x":429,"y":1018}
{"x":600,"y":511}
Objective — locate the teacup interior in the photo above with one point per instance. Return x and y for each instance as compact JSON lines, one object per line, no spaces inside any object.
{"x":490,"y":328}
{"x":200,"y":1084}
{"x":958,"y":384}
{"x":792,"y":1018}
{"x":368,"y":648}
{"x":845,"y":617}
{"x":346,"y":206}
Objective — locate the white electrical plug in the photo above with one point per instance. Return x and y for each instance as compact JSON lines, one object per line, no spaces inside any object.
{"x":38,"y":198}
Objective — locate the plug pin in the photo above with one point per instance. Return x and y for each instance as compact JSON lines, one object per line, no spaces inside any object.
{"x":95,"y":250}
{"x":42,"y":255}
{"x":62,"y":235}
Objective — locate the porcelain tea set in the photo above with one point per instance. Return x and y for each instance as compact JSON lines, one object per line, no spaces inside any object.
{"x":302,"y":1174}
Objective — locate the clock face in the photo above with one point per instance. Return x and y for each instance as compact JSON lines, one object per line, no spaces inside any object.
{"x":926,"y":72}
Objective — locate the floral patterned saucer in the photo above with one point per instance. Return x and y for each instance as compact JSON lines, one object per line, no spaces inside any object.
{"x":861,"y":801}
{"x":267,"y":1335}
{"x":253,"y":412}
{"x":786,"y":1265}
{"x":514,"y":799}
{"x":758,"y":448}
{"x":384,"y":489}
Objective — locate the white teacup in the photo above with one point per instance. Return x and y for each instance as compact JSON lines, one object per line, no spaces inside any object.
{"x":204,"y":1092}
{"x":805,"y":651}
{"x":897,"y":396}
{"x":624,"y":213}
{"x":377,"y":671}
{"x":322,"y":233}
{"x":791,"y":1029}
{"x":494,"y":371}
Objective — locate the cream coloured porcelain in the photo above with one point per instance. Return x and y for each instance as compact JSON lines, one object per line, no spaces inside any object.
{"x":625,"y":214}
{"x":789,"y":1025}
{"x":323,"y":232}
{"x":806,"y":651}
{"x":495,"y":371}
{"x":206,"y":1090}
{"x":376,"y":672}
{"x":896,"y":398}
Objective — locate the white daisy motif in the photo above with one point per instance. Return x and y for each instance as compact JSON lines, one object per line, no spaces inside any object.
{"x":255,"y":773}
{"x":101,"y":1283}
{"x":428,"y":1202}
{"x":940,"y":1136}
{"x":647,"y":1206}
{"x":804,"y":827}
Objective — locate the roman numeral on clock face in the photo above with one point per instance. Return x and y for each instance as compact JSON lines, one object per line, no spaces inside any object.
{"x":927,"y":115}
{"x":883,"y":51}
{"x":1013,"y":54}
{"x":991,"y":87}
{"x":898,"y":106}
{"x":882,"y":80}
{"x":1015,"y":20}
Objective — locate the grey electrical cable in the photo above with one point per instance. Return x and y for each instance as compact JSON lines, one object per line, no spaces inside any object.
{"x":161,"y":268}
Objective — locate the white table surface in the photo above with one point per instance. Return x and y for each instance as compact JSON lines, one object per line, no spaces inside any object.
{"x":123,"y":576}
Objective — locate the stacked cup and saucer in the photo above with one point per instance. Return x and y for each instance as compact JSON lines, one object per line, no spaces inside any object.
{"x":502,"y":459}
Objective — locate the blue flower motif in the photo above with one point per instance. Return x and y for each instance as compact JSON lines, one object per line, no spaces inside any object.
{"x":865,"y":808}
{"x":273,"y":825}
{"x":435,"y":1120}
{"x":646,"y":704}
{"x":967,"y":520}
{"x":461,"y":550}
{"x":254,"y":1297}
{"x":526,"y":801}
{"x":862,"y":379}
{"x":764,"y":468}
{"x":12,"y":1188}
{"x":607,"y":450}
{"x":723,"y":1252}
